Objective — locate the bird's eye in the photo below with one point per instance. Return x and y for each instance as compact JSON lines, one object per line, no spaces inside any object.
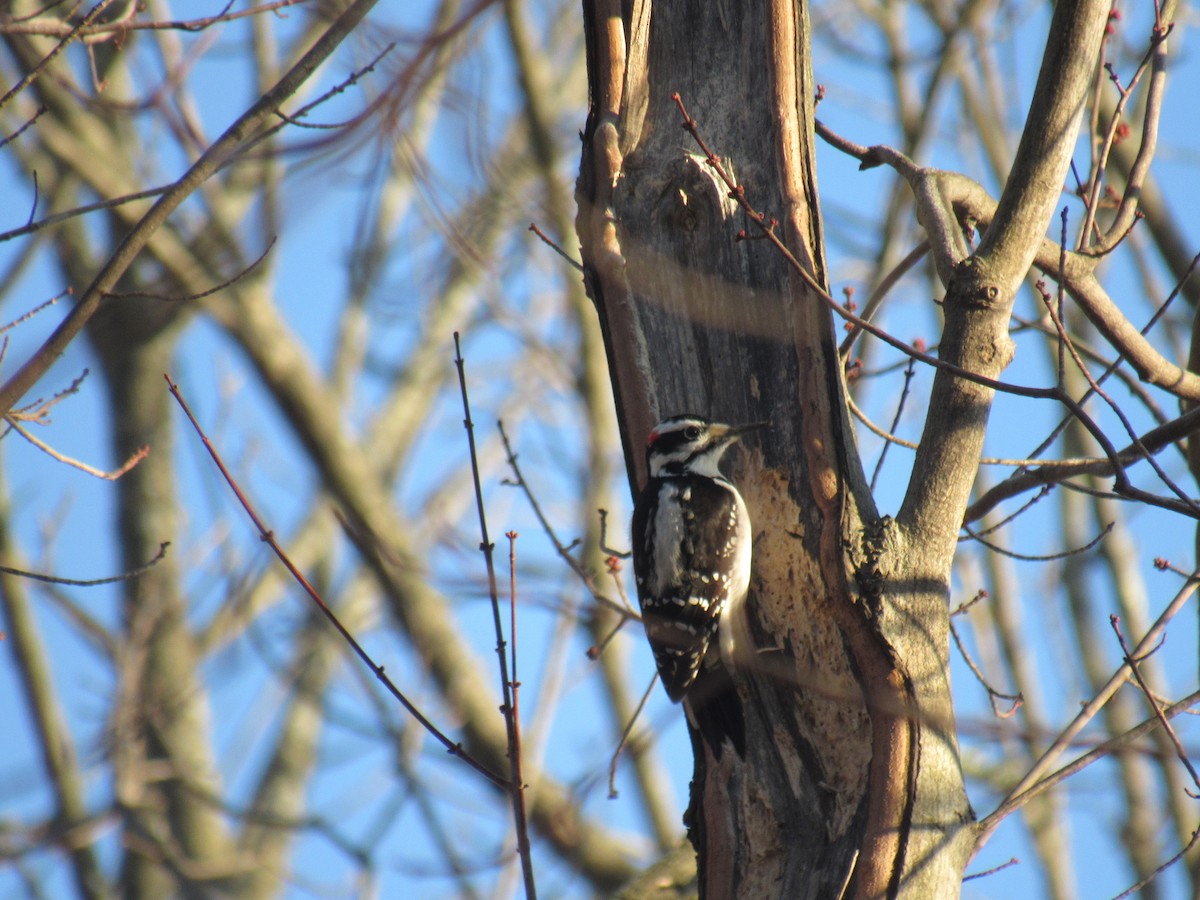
{"x":691,"y":432}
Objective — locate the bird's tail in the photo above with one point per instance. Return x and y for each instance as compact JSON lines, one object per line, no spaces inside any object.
{"x":715,"y":710}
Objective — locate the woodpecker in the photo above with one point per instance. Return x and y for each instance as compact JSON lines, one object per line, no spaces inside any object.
{"x":691,"y":549}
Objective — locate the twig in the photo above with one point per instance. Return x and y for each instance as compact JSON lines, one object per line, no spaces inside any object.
{"x":1013,"y":861}
{"x":36,"y":196}
{"x":187,"y":298}
{"x":965,"y":606}
{"x":1113,"y":367}
{"x":1113,"y":405}
{"x":604,"y":548}
{"x":55,"y":218}
{"x":616,"y":757}
{"x":73,"y":33}
{"x":38,"y":113}
{"x":1023,"y":508}
{"x":1031,"y":783}
{"x":1127,"y":210}
{"x":1132,"y":662}
{"x":562,"y":550}
{"x":1100,"y":751}
{"x":1048,"y":557}
{"x":92,"y":582}
{"x":39,"y":409}
{"x":58,"y":28}
{"x":553,"y":245}
{"x":613,"y":563}
{"x":518,"y":778}
{"x":1129,"y":892}
{"x":339,"y":88}
{"x":134,"y":458}
{"x":1016,"y":700}
{"x":268,"y":537}
{"x":1057,"y":472}
{"x":516,"y":794}
{"x":881,"y":291}
{"x":45,"y":304}
{"x":1165,"y":565}
{"x":229,"y":144}
{"x":909,"y":371}
{"x":614,"y":570}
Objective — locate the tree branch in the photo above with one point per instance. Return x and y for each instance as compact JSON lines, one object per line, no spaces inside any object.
{"x":219,"y":152}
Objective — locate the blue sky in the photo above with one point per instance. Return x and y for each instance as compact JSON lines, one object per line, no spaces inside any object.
{"x":62,"y":518}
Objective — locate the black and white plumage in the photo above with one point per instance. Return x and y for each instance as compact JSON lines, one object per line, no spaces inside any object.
{"x":691,"y":548}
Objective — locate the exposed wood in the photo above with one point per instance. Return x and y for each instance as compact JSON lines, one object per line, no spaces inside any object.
{"x":851,"y":785}
{"x":697,"y":320}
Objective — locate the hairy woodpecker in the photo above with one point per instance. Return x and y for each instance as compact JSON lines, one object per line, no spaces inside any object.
{"x":691,"y":551}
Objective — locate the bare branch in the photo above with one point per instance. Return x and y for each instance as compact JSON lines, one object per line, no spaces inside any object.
{"x":1015,"y":700}
{"x":112,"y":475}
{"x":225,"y":147}
{"x":90,"y":582}
{"x":1133,"y":663}
{"x":508,"y":708}
{"x":268,"y":537}
{"x":51,"y":27}
{"x":72,"y":33}
{"x":1032,"y":782}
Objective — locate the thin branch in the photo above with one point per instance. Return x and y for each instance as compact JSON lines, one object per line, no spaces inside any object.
{"x":909,"y":371}
{"x":966,"y":605}
{"x":39,"y":409}
{"x":225,"y":147}
{"x":1126,"y":216}
{"x":616,"y":757}
{"x":1066,"y":342}
{"x":876,"y":429}
{"x":767,"y":228}
{"x":970,"y":201}
{"x":70,"y":35}
{"x":1032,"y":782}
{"x":1136,"y":888}
{"x":36,"y":197}
{"x":1016,"y":700}
{"x":1097,"y":753}
{"x":45,"y":304}
{"x":1049,"y":557}
{"x":880,"y":293}
{"x":38,"y":113}
{"x":1024,"y":507}
{"x":1057,"y":472}
{"x":556,"y":247}
{"x":604,"y":548}
{"x":268,"y":537}
{"x":595,"y":651}
{"x":187,"y":298}
{"x":1132,"y":661}
{"x":91,"y":582}
{"x":47,"y":27}
{"x":516,"y":795}
{"x":136,"y":457}
{"x":339,"y":88}
{"x":54,"y":219}
{"x":518,"y":785}
{"x":563,"y":551}
{"x":1013,"y":861}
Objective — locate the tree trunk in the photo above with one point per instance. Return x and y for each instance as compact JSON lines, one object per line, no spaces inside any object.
{"x":851,"y":785}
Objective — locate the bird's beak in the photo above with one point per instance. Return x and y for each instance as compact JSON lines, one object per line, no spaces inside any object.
{"x":738,"y":432}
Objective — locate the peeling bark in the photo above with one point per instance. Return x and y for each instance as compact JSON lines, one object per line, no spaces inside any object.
{"x":697,"y":320}
{"x":851,"y":784}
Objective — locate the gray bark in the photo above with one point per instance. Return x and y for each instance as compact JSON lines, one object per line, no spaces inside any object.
{"x":851,"y":785}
